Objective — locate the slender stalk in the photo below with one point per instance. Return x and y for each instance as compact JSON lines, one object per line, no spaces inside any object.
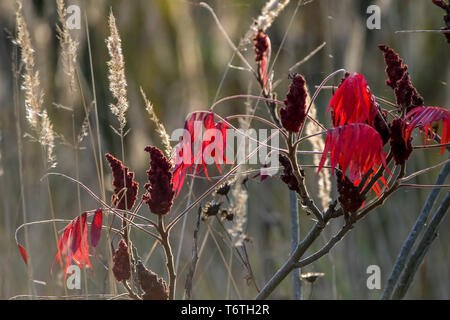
{"x":111,"y":280}
{"x":295,"y":230}
{"x":15,"y":71}
{"x":400,"y":262}
{"x":165,"y":242}
{"x":422,"y":248}
{"x":194,"y":260}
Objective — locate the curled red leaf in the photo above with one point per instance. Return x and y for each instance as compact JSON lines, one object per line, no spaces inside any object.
{"x":423,"y":117}
{"x":23,"y":253}
{"x":356,"y":147}
{"x":73,"y":244}
{"x":262,"y":52}
{"x":190,"y":152}
{"x":353,"y":102}
{"x":96,"y":227}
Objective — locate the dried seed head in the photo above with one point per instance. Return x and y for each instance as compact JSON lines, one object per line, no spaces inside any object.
{"x":36,"y":115}
{"x":210,"y":209}
{"x":270,"y":11}
{"x":349,"y":196}
{"x":116,"y":68}
{"x":380,"y":124}
{"x":118,"y":199}
{"x":262,"y":54}
{"x":294,"y":114}
{"x":395,"y":68}
{"x":159,"y":186}
{"x":121,"y":259}
{"x":224,"y":188}
{"x":404,"y":91}
{"x":154,"y":288}
{"x":311,"y":277}
{"x":227,"y":215}
{"x":262,"y":45}
{"x":160,"y":129}
{"x":288,"y":176}
{"x":239,"y":209}
{"x":69,"y":46}
{"x":399,"y":80}
{"x":446,"y":7}
{"x":401,"y":150}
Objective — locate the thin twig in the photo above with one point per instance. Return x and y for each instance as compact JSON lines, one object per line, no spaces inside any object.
{"x":421,"y":250}
{"x":413,"y":234}
{"x":190,"y":275}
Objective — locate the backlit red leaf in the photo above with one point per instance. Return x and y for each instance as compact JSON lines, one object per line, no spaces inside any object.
{"x":23,"y":253}
{"x":423,"y":117}
{"x":356,"y":147}
{"x":353,"y":102}
{"x":96,"y":227}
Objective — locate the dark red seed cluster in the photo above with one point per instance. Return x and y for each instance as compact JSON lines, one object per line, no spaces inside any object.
{"x":395,"y":68}
{"x":398,"y":79}
{"x":401,"y":149}
{"x":159,"y":186}
{"x":288,"y":176}
{"x":121,"y":259}
{"x":119,"y":173}
{"x":262,"y":45}
{"x":446,"y":7}
{"x":404,"y":91}
{"x":380,"y":124}
{"x":154,"y":287}
{"x":349,"y":196}
{"x":294,"y":114}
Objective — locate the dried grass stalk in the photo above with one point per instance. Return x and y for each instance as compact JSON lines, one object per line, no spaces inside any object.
{"x":324,"y":181}
{"x":117,"y":81}
{"x":69,"y":47}
{"x":160,"y":129}
{"x":269,"y":13}
{"x":239,"y":209}
{"x":36,"y":116}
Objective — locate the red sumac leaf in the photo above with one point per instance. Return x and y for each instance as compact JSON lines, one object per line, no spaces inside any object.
{"x":96,"y":227}
{"x":23,"y":253}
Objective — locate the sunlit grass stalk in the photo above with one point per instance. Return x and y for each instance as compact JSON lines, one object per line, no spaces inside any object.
{"x":112,"y":282}
{"x":31,"y":287}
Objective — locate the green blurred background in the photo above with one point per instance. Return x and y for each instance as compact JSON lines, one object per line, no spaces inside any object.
{"x":174,"y":50}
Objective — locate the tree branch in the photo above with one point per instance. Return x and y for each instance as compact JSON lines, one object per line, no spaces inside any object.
{"x":413,"y":234}
{"x":421,"y":250}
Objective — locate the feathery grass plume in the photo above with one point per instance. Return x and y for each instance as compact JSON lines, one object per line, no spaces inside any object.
{"x":239,"y":209}
{"x":270,"y":11}
{"x":37,"y":117}
{"x":116,"y":67}
{"x":165,"y":139}
{"x":324,"y":181}
{"x":69,"y":46}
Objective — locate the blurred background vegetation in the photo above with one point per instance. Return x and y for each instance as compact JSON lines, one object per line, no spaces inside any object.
{"x":174,"y":50}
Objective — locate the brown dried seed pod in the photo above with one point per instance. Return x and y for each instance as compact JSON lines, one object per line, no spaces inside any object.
{"x":401,"y":149}
{"x":349,"y":196}
{"x":288,"y":176}
{"x":154,"y":288}
{"x":121,"y":259}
